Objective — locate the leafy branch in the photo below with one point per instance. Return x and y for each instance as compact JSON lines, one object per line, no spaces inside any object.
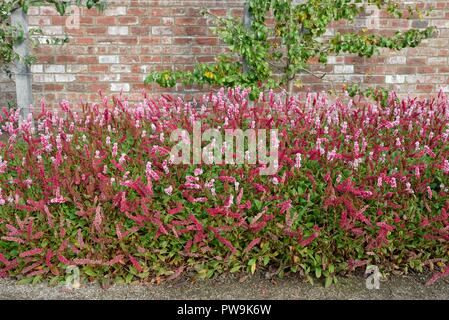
{"x":267,"y":55}
{"x":12,"y":35}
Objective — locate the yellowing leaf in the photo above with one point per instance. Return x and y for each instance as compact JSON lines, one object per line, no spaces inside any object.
{"x":253,"y":268}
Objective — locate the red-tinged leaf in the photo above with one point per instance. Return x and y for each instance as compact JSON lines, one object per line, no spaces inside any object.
{"x":132,"y":230}
{"x":98,"y":219}
{"x":306,"y":242}
{"x":90,"y":262}
{"x":227,"y":179}
{"x":438,"y":276}
{"x":215,"y":211}
{"x":251,"y":245}
{"x":63,"y":246}
{"x":117,"y":165}
{"x":385,"y":226}
{"x":31,"y":267}
{"x":177,"y":273}
{"x":25,"y":208}
{"x":12,"y":264}
{"x":12,"y":231}
{"x":32,"y":252}
{"x":14,"y":239}
{"x":118,"y":231}
{"x":256,"y":227}
{"x":80,"y":239}
{"x":122,"y":139}
{"x":30,"y":230}
{"x":135,"y":264}
{"x":223,"y":240}
{"x":176,"y":210}
{"x":196,"y":222}
{"x":48,"y":257}
{"x":115,"y":260}
{"x":188,"y":246}
{"x":4,"y":260}
{"x":199,"y":236}
{"x":285,"y":206}
{"x":63,"y":260}
{"x":37,"y":235}
{"x":37,"y":272}
{"x":239,"y":197}
{"x":260,"y":187}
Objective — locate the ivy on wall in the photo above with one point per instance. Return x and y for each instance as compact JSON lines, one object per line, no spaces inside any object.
{"x":11,"y":35}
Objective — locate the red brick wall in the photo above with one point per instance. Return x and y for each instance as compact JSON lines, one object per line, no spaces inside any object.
{"x":116,"y":49}
{"x":7,"y":90}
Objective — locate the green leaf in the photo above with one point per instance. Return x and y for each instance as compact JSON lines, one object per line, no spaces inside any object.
{"x":235,"y":269}
{"x":129,"y":277}
{"x":90,"y":272}
{"x":318,"y":272}
{"x":328,"y":282}
{"x":27,"y":280}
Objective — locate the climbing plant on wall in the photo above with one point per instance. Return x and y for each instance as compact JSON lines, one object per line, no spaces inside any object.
{"x":11,"y":35}
{"x":265,"y":55}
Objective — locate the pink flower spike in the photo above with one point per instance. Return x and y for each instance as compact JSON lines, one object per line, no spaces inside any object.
{"x":429,"y":192}
{"x":198,"y":172}
{"x":168,"y":190}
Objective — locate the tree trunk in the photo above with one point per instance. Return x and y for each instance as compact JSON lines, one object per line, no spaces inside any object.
{"x":290,"y":84}
{"x":22,"y":71}
{"x":247,"y":21}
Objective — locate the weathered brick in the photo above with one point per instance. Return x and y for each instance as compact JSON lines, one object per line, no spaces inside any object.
{"x":116,"y":87}
{"x":118,"y":31}
{"x":344,"y":69}
{"x":108,"y":59}
{"x":54,"y":68}
{"x":115,"y":11}
{"x":161,"y":31}
{"x":397,"y":60}
{"x":394,"y":79}
{"x":65,"y":78}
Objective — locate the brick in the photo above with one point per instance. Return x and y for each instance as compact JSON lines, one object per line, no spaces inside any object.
{"x":109,"y":77}
{"x":162,"y":31}
{"x":115,"y":11}
{"x":44,"y":78}
{"x":54,"y":68}
{"x":108,"y":59}
{"x":65,"y":78}
{"x":77,"y":68}
{"x":37,"y":68}
{"x":397,"y":60}
{"x":344,"y":69}
{"x":127,"y":20}
{"x":105,"y":20}
{"x":98,"y":68}
{"x":117,"y":68}
{"x":394,"y":79}
{"x":53,"y":87}
{"x":52,"y":30}
{"x":118,"y":31}
{"x":150,"y":21}
{"x":437,"y":61}
{"x":117,"y":87}
{"x":65,"y":59}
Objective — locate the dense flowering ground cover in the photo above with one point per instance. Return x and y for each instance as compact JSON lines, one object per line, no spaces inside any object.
{"x":356,"y":185}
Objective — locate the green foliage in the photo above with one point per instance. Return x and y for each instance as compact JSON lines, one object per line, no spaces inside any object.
{"x":270,"y":55}
{"x":11,"y":35}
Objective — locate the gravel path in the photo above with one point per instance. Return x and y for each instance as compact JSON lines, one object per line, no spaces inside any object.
{"x":230,"y":287}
